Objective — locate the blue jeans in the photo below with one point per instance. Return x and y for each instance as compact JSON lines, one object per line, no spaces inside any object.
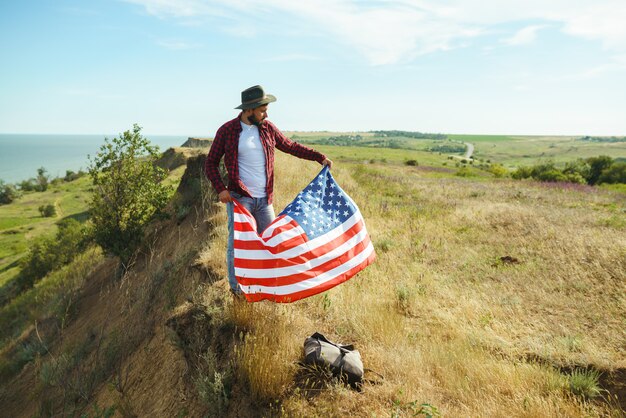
{"x":263,"y":214}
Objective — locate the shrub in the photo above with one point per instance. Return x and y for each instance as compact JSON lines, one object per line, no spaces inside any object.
{"x":71,"y":175}
{"x":580,"y":167}
{"x":585,"y":383}
{"x":50,"y":253}
{"x":546,"y":170}
{"x":213,"y":386}
{"x":596,"y":166}
{"x":8,"y":193}
{"x":411,"y":162}
{"x":127,"y":192}
{"x":497,"y":170}
{"x":48,"y":211}
{"x":575,"y":178}
{"x":550,"y":176}
{"x":616,"y":173}
{"x":28,"y":185}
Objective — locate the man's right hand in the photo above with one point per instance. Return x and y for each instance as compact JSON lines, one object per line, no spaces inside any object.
{"x":224,"y":197}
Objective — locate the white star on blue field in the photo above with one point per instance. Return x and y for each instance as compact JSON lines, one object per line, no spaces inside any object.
{"x":321,"y":206}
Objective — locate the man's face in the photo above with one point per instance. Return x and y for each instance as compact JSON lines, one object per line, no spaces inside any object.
{"x":259,"y":114}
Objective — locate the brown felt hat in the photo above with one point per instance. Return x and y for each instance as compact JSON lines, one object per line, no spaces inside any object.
{"x":254,"y":97}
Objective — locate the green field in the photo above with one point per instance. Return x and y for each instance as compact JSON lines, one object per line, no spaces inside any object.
{"x":21,"y":222}
{"x":513,"y":151}
{"x":508,"y":150}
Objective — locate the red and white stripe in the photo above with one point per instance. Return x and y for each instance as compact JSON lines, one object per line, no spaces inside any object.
{"x":282,"y":265}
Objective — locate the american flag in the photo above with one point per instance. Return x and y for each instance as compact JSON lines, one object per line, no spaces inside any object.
{"x":317,"y":242}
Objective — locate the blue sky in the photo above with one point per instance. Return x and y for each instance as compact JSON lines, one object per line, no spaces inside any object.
{"x":178,"y":66}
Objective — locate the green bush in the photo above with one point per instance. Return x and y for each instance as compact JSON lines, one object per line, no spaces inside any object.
{"x":580,"y":167}
{"x":616,"y":173}
{"x":594,"y":170}
{"x":522,"y":173}
{"x":50,"y":253}
{"x":71,"y":175}
{"x":463,"y":172}
{"x":498,"y":170}
{"x":411,"y":162}
{"x":48,"y":211}
{"x":127,"y":192}
{"x":596,"y":166}
{"x":8,"y":193}
{"x":27,"y":185}
{"x":550,"y":176}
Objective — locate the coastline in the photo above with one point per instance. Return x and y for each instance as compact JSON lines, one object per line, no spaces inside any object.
{"x":22,"y":154}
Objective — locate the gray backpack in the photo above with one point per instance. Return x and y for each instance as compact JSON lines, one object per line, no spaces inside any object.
{"x":342,"y":360}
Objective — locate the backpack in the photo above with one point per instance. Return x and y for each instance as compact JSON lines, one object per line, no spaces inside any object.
{"x":342,"y":360}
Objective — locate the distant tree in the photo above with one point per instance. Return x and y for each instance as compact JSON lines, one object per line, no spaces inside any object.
{"x":42,"y":179}
{"x":616,"y":173}
{"x":127,"y":192}
{"x":27,"y":185}
{"x":8,"y":193}
{"x":71,"y":175}
{"x":596,"y":166}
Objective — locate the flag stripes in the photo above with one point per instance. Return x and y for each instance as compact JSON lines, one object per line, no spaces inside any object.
{"x":316,"y":243}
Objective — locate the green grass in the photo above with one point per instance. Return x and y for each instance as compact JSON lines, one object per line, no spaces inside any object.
{"x":480,"y":138}
{"x":389,"y":155}
{"x":21,"y":222}
{"x":509,"y":150}
{"x":513,"y":151}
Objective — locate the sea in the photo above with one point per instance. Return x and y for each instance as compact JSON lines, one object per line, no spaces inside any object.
{"x":22,"y":154}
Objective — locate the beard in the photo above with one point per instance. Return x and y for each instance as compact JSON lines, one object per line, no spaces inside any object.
{"x":255,"y":121}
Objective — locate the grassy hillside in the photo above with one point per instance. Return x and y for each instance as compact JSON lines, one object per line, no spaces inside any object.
{"x":21,"y":222}
{"x":489,"y":297}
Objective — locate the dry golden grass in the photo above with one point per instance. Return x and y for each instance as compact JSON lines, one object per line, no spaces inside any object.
{"x":439,"y":314}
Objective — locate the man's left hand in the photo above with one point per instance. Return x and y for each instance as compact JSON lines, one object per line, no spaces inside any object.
{"x":328,"y":162}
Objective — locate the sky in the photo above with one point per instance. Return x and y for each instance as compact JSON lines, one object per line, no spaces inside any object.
{"x":177,"y":67}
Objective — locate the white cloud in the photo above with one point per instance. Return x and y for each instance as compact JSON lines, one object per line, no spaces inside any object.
{"x":387,"y":32}
{"x":617,"y":64}
{"x":524,"y":36}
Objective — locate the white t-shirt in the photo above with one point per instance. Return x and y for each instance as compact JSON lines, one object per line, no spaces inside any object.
{"x":251,"y":160}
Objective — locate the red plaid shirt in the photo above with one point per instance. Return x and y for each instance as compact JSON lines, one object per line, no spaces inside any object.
{"x":226,"y":143}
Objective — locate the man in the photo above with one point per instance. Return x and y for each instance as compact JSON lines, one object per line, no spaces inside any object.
{"x":247,"y":144}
